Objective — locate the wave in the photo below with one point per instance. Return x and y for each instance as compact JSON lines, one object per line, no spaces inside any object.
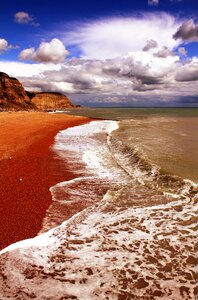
{"x":140,"y":169}
{"x":103,"y":164}
{"x":85,"y":153}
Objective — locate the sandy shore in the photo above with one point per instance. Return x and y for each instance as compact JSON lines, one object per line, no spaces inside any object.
{"x":28,"y":169}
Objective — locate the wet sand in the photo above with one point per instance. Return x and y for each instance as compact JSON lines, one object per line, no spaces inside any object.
{"x":28,"y":169}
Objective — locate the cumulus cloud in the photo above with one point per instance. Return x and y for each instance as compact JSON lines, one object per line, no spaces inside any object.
{"x":182,"y":51}
{"x":53,"y":51}
{"x":188,"y":72}
{"x":3,"y":45}
{"x":133,"y":79}
{"x":22,"y":17}
{"x":150,"y":44}
{"x":137,"y":71}
{"x":21,"y":69}
{"x":187,"y":32}
{"x":164,"y":52}
{"x":124,"y":60}
{"x":112,"y":37}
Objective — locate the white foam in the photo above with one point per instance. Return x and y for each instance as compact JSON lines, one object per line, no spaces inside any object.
{"x":58,"y":111}
{"x":85,"y":152}
{"x":43,"y":240}
{"x":87,"y":144}
{"x":111,"y":247}
{"x":114,"y":125}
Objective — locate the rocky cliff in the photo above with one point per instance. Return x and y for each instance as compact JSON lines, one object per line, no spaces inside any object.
{"x":12,"y":94}
{"x":14,"y":97}
{"x":52,"y":101}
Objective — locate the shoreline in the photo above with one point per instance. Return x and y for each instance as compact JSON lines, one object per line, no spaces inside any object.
{"x":135,"y":242}
{"x":28,"y":169}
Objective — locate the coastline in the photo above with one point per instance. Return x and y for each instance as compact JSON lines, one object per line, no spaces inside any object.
{"x":28,"y":169}
{"x":134,"y":242}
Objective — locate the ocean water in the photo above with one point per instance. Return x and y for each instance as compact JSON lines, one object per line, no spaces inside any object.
{"x":132,"y":228}
{"x":166,"y":136}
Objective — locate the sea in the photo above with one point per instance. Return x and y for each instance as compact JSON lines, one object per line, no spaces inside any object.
{"x":134,"y":235}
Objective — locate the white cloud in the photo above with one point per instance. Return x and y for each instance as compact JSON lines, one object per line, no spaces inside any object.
{"x":54,"y":51}
{"x":112,"y":37}
{"x":22,"y":17}
{"x":188,"y":72}
{"x":119,"y":75}
{"x":20,"y":69}
{"x":132,"y":78}
{"x":3,"y":45}
{"x":150,"y":44}
{"x":113,"y":66}
{"x":182,"y":51}
{"x":27,"y":54}
{"x":164,"y":52}
{"x":187,"y":32}
{"x":149,"y":64}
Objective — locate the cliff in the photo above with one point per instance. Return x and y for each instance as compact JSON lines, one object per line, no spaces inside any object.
{"x":12,"y":94}
{"x":45,"y":101}
{"x":14,"y":97}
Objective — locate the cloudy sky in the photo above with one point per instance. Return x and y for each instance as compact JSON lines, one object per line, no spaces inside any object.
{"x":104,"y":53}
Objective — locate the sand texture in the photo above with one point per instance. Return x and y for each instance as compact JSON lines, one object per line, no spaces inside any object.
{"x":28,"y":169}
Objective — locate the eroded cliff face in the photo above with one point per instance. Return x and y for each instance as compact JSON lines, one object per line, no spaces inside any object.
{"x":49,"y":101}
{"x":13,"y":95}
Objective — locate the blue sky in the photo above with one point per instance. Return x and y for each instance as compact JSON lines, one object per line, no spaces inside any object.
{"x":138,"y":53}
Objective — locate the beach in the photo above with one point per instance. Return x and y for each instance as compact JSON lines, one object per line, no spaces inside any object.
{"x":119,"y":225}
{"x":28,"y":169}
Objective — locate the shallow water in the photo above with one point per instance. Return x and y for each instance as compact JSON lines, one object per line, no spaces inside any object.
{"x":165,"y":136}
{"x":169,"y":142}
{"x":122,"y":113}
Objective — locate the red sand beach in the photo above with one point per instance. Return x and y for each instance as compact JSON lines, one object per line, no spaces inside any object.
{"x":28,"y":169}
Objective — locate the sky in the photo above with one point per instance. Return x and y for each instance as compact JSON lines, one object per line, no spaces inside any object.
{"x":104,"y":53}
